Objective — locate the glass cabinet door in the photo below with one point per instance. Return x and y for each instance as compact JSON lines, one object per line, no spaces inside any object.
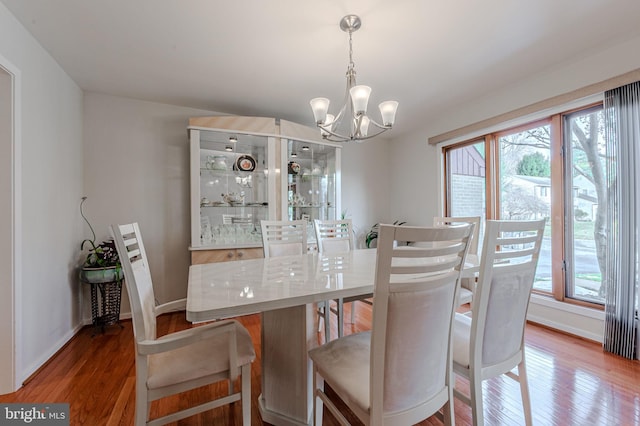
{"x":312,"y":183}
{"x":233,"y":188}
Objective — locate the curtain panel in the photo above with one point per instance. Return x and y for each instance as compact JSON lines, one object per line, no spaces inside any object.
{"x":622,"y":130}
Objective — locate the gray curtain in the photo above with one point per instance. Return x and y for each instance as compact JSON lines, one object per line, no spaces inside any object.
{"x":622,"y":127}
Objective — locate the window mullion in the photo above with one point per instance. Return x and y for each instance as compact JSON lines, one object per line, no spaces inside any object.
{"x":558,"y":170}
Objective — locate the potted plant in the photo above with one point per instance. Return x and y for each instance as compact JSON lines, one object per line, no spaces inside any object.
{"x":372,"y":235}
{"x":102,"y":263}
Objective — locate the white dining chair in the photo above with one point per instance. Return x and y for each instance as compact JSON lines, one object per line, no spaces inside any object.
{"x":188,"y":359}
{"x":467,"y":284}
{"x":289,"y":237}
{"x":489,"y":340}
{"x":336,"y":236}
{"x":283,"y":237}
{"x":399,"y":373}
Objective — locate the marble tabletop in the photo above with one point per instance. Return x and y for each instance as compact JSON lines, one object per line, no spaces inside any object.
{"x":226,"y":289}
{"x":219,"y":290}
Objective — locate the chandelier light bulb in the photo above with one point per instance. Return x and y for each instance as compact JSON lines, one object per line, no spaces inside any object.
{"x":319,"y":106}
{"x":388,"y":112}
{"x":360,"y":98}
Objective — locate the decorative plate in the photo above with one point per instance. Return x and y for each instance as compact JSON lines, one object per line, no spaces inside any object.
{"x":245,"y":163}
{"x":294,"y":168}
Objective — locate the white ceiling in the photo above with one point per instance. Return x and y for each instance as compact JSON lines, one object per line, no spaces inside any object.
{"x":268,"y":58}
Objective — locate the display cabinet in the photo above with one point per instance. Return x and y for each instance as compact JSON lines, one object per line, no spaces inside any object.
{"x":240,"y":175}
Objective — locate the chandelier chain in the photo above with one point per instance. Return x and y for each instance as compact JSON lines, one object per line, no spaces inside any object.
{"x":351,"y":64}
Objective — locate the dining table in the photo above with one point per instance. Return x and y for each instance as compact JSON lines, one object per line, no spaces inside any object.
{"x":285,"y":290}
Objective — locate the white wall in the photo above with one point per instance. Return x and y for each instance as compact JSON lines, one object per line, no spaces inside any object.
{"x":51,"y":183}
{"x":416,"y":175}
{"x":414,"y":189}
{"x":136,"y":160}
{"x":366,"y":179}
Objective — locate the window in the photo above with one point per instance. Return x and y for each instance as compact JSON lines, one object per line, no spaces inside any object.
{"x":585,"y":221}
{"x":524,"y":158}
{"x":466,"y":166}
{"x":552,"y":168}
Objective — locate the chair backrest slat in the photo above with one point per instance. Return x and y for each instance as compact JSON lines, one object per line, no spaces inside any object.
{"x":520,"y":240}
{"x":451,"y":262}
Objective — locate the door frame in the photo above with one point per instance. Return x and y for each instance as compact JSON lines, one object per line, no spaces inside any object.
{"x":10,"y":360}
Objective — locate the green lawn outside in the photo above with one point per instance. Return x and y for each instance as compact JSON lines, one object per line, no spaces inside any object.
{"x":581,"y":230}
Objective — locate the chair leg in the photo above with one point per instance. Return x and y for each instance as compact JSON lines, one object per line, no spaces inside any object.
{"x":524,"y":391}
{"x":340,"y":317}
{"x":246,"y":394}
{"x":143,"y":405}
{"x":327,"y":321}
{"x":448,"y":409}
{"x":353,"y":312}
{"x":321,"y":315}
{"x":318,"y":406}
{"x":475,"y":389}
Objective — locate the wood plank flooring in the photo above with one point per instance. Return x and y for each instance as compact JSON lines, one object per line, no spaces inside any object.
{"x":572,"y":381}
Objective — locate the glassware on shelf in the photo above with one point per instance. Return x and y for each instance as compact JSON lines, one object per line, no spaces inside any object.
{"x":205,"y":226}
{"x":233,"y":198}
{"x":217,"y":162}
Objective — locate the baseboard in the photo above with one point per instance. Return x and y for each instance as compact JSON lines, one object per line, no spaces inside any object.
{"x":577,"y":320}
{"x":585,"y":334}
{"x":44,"y":359}
{"x":89,"y":321}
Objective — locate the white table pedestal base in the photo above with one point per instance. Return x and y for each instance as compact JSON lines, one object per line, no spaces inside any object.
{"x":287,"y":394}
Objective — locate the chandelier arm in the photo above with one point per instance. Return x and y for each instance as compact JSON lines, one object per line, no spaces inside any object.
{"x":336,"y":137}
{"x":381,"y":126}
{"x":330,"y":133}
{"x":332,"y":139}
{"x":357,"y":131}
{"x":382,"y":130}
{"x":338,"y":119}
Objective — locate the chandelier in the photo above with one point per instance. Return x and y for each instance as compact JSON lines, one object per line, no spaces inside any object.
{"x":352,"y":122}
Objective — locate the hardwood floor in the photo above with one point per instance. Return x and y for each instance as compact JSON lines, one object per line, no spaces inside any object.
{"x":571,"y":381}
